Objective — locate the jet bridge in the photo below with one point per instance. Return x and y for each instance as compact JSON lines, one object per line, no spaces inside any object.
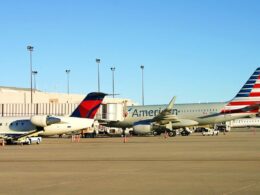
{"x":112,"y":110}
{"x":115,"y":111}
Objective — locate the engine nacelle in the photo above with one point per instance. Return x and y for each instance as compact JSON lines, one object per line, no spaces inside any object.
{"x":44,"y":120}
{"x":142,"y":127}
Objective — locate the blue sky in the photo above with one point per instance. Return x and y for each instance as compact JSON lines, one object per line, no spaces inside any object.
{"x":200,"y":51}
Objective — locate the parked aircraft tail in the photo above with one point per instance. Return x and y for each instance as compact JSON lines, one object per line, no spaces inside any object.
{"x":248,"y":96}
{"x":89,"y":106}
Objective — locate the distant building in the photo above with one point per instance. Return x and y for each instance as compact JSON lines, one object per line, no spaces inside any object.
{"x":17,"y":102}
{"x":23,"y":95}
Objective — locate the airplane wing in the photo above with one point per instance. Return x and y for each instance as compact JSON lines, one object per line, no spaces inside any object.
{"x":108,"y":122}
{"x":21,"y":138}
{"x":166,"y":115}
{"x":29,"y":134}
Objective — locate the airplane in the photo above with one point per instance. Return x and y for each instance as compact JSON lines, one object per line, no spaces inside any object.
{"x":244,"y":122}
{"x":19,"y":128}
{"x":156,"y":118}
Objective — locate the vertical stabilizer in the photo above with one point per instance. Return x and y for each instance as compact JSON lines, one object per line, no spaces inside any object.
{"x":89,"y":106}
{"x":248,"y":95}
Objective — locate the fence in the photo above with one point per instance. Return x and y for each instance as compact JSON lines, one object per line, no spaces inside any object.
{"x":36,"y":109}
{"x":59,"y":109}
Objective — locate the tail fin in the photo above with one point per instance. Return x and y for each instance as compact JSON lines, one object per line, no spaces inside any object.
{"x":248,"y":95}
{"x":89,"y":106}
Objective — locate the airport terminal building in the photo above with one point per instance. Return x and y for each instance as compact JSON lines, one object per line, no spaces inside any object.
{"x":17,"y":102}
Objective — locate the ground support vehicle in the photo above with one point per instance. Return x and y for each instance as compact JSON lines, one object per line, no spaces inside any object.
{"x":208,"y":131}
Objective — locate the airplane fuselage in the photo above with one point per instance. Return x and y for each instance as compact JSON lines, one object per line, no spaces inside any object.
{"x":202,"y":113}
{"x":247,"y":122}
{"x":17,"y":126}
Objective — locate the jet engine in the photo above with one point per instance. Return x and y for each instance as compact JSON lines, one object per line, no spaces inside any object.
{"x":44,"y":120}
{"x":142,"y":127}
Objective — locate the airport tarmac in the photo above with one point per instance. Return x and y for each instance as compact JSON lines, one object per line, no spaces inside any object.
{"x":224,"y":164}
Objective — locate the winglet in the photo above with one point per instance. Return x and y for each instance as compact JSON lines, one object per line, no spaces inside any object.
{"x":167,"y":112}
{"x":171,"y":104}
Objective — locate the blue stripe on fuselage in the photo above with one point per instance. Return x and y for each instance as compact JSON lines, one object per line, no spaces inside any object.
{"x":242,"y":95}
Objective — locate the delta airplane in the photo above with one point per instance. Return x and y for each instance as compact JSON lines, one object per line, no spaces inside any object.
{"x":18,"y":128}
{"x":154,"y":118}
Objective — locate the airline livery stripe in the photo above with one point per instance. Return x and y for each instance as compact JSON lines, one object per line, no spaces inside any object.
{"x":244,"y":90}
{"x":245,"y":103}
{"x":248,"y":95}
{"x":238,"y":111}
{"x":248,"y":86}
{"x":237,"y":99}
{"x":234,"y":107}
{"x":242,"y":95}
{"x":255,"y":90}
{"x":250,"y":82}
{"x":254,"y":94}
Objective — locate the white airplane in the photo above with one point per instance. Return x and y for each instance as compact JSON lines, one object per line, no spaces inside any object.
{"x":243,"y":122}
{"x":156,"y":119}
{"x":18,"y":128}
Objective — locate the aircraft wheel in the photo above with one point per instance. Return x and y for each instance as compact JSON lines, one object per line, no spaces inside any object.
{"x":172,"y":133}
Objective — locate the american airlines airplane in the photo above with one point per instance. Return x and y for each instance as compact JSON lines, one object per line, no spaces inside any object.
{"x":18,"y":128}
{"x":155,"y":118}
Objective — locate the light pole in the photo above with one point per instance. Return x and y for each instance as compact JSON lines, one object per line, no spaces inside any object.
{"x":142,"y":67}
{"x":34,"y":78}
{"x":30,"y":49}
{"x":98,"y":62}
{"x":68,"y":81}
{"x":113,"y":80}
